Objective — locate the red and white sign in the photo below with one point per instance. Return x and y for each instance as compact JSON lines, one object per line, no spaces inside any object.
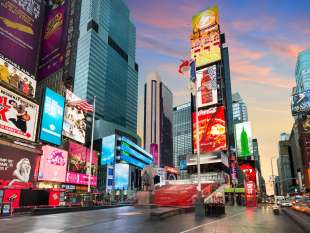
{"x":250,"y":194}
{"x":53,"y":165}
{"x":79,"y":178}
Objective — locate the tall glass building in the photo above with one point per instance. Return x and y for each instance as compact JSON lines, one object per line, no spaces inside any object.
{"x":240,"y":111}
{"x":182,"y":137}
{"x":106,"y":66}
{"x":302,"y":71}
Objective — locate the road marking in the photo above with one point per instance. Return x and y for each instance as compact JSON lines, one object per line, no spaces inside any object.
{"x":203,"y":225}
{"x":130,"y":213}
{"x":45,"y":230}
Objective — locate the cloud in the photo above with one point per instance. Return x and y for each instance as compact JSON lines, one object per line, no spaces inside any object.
{"x":260,"y":23}
{"x":285,"y":48}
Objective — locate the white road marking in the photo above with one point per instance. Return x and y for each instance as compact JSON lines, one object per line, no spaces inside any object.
{"x":45,"y":230}
{"x":203,"y":225}
{"x":130,"y":213}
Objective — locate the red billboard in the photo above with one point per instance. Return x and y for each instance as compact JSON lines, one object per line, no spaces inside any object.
{"x":212,"y":130}
{"x":18,"y":168}
{"x":250,"y":194}
{"x":249,"y":171}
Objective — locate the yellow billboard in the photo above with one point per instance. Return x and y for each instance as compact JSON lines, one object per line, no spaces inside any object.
{"x":205,"y":19}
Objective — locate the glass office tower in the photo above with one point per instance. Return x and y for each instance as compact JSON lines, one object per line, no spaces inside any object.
{"x":302,"y":71}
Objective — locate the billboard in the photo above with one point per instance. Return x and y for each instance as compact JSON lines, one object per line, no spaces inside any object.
{"x":205,"y":19}
{"x":300,"y":103}
{"x":20,"y":27}
{"x":54,"y":38}
{"x":82,"y":179}
{"x":108,"y":150}
{"x":18,"y":116}
{"x":249,"y":172}
{"x":52,"y":117}
{"x":212,"y":130}
{"x":154,"y":152}
{"x":53,"y":164}
{"x":121,"y":180}
{"x":15,"y":77}
{"x":18,"y":168}
{"x":207,"y":84}
{"x":243,"y":137}
{"x":250,"y":194}
{"x":74,"y":125}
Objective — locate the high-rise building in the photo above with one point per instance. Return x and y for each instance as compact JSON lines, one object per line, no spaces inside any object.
{"x":182,"y":137}
{"x":302,"y":71}
{"x":158,"y":118}
{"x":106,"y":65}
{"x":240,"y":111}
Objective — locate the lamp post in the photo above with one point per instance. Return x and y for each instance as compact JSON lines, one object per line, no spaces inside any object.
{"x":91,"y":145}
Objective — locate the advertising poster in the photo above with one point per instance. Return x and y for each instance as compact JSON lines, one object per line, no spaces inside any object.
{"x":13,"y":76}
{"x":18,"y":116}
{"x":250,"y":194}
{"x":121,"y":176}
{"x":20,"y":31}
{"x":74,"y":125}
{"x":183,"y":165}
{"x":207,"y":84}
{"x":108,"y":150}
{"x":249,"y":172}
{"x":154,"y":152}
{"x":53,"y":164}
{"x":82,"y":179}
{"x":205,"y":19}
{"x":18,"y":168}
{"x":52,"y":117}
{"x":300,"y":103}
{"x":212,"y":130}
{"x":54,"y":38}
{"x":243,"y":137}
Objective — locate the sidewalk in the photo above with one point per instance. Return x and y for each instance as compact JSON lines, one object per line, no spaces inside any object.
{"x":303,"y":220}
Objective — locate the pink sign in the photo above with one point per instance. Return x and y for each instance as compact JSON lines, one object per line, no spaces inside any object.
{"x":53,"y":164}
{"x":154,"y":152}
{"x":78,"y":178}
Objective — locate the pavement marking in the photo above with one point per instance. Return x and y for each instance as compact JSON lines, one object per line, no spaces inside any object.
{"x":203,"y":225}
{"x":130,"y":213}
{"x":45,"y":230}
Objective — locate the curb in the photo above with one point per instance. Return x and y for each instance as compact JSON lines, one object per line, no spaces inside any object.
{"x":304,"y":225}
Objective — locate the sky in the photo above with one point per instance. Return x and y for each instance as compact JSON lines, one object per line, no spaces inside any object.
{"x":264,"y":38}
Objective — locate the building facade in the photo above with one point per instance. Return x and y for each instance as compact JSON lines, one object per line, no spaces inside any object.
{"x":106,"y":66}
{"x":240,"y":111}
{"x":182,"y":137}
{"x":158,"y":119}
{"x":302,"y":71}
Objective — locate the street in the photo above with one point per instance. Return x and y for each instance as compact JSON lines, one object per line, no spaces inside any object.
{"x":130,"y":219}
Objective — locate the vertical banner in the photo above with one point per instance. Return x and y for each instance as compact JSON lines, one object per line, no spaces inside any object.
{"x":154,"y":152}
{"x":250,"y":194}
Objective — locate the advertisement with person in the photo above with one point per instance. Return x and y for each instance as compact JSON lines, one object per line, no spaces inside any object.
{"x":18,"y":116}
{"x":207,"y":85}
{"x":121,"y":176}
{"x":108,"y":150}
{"x":13,"y":76}
{"x":54,"y":38}
{"x":212,"y":130}
{"x":74,"y":125}
{"x":18,"y":168}
{"x":53,"y":164}
{"x":300,"y":103}
{"x":243,"y":137}
{"x":52,"y":117}
{"x":20,"y":26}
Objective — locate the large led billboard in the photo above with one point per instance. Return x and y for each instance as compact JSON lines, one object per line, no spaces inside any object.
{"x":52,"y":117}
{"x":121,"y":179}
{"x":54,"y":38}
{"x":108,"y":150}
{"x":212,"y":130}
{"x":20,"y":27}
{"x":18,"y":116}
{"x":300,"y":103}
{"x":53,"y":165}
{"x":207,"y":85}
{"x":249,"y":172}
{"x":74,"y":125}
{"x":205,"y":19}
{"x":17,"y":78}
{"x":243,"y":137}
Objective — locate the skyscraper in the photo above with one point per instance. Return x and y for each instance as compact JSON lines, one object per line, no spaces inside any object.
{"x":302,"y":71}
{"x":158,"y":118}
{"x":106,"y":66}
{"x":182,"y":136}
{"x":240,"y":111}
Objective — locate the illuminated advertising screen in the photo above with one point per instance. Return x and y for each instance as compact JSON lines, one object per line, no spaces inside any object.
{"x":54,"y":38}
{"x":121,"y":176}
{"x":300,"y":103}
{"x":52,"y":117}
{"x":74,"y":125}
{"x":250,"y":194}
{"x":212,"y":130}
{"x":20,"y":27}
{"x":243,"y":137}
{"x":183,"y":165}
{"x":205,"y":19}
{"x":108,"y":150}
{"x":207,"y":85}
{"x":79,"y":178}
{"x":154,"y":152}
{"x":249,"y":172}
{"x":18,"y":116}
{"x":18,"y":168}
{"x":15,"y":77}
{"x":53,"y":164}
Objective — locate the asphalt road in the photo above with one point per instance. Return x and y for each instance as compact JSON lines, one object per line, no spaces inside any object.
{"x":130,"y":219}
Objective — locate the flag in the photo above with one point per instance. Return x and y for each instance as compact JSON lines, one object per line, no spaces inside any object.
{"x":184,"y":66}
{"x":193,"y":71}
{"x":83,"y":105}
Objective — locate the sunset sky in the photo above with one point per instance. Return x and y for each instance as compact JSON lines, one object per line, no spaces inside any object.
{"x":263,"y":37}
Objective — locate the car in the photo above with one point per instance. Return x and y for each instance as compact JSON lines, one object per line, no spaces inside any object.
{"x":286,"y":204}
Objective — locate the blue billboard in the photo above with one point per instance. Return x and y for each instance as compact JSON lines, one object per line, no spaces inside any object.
{"x":52,"y":117}
{"x":183,"y":165}
{"x":300,"y":103}
{"x":108,"y":150}
{"x":121,"y":179}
